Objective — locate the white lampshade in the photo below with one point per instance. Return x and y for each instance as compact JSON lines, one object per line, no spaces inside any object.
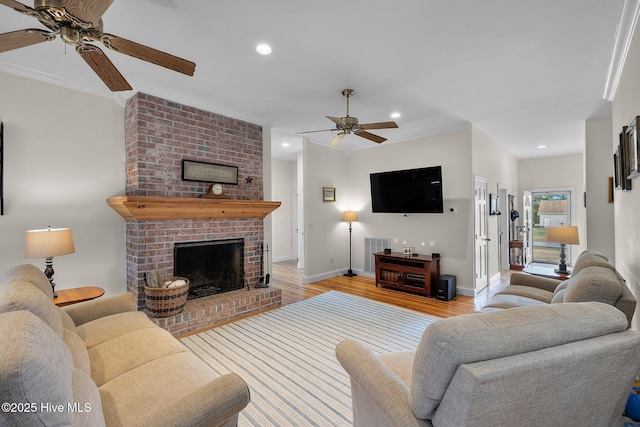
{"x":48,"y":243}
{"x":567,"y":235}
{"x":350,"y":216}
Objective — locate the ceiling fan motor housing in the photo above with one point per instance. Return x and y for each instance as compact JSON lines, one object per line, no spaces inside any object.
{"x":41,"y":5}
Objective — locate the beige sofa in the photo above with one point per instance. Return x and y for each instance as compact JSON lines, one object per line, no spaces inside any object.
{"x":544,"y":365}
{"x":100,"y":363}
{"x":593,"y":278}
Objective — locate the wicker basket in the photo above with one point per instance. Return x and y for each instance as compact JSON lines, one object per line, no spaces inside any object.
{"x":165,"y":302}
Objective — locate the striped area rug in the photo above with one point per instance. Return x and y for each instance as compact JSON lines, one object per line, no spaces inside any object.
{"x":287,"y":356}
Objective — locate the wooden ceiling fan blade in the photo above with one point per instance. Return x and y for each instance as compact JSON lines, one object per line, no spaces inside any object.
{"x":379,"y":125}
{"x":337,"y":120}
{"x":335,"y":141}
{"x":23,"y":38}
{"x":87,"y":10}
{"x":314,"y":131}
{"x":103,"y":67}
{"x":17,"y":6}
{"x":370,"y":136}
{"x":148,"y":54}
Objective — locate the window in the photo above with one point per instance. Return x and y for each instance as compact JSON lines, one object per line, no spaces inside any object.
{"x":549,"y":209}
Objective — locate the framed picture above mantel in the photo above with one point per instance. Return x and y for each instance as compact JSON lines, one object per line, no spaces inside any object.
{"x":209,"y":172}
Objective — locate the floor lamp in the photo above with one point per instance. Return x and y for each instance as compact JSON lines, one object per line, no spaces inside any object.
{"x":565,"y":235}
{"x":48,"y":243}
{"x":350,"y":216}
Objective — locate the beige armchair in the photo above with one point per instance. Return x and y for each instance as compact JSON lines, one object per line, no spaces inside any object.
{"x":548,"y":365}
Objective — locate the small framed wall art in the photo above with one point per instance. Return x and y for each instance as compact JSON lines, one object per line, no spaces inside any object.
{"x":631,"y":149}
{"x":328,"y":194}
{"x":209,"y":172}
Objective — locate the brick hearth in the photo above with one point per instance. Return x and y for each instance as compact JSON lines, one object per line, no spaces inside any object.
{"x":159,"y":134}
{"x":205,"y":312}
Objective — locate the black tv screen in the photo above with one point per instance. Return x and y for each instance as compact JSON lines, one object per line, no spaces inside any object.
{"x":407,"y":191}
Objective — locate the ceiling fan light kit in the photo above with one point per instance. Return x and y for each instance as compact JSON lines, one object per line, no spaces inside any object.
{"x":79,"y":22}
{"x":347,"y":125}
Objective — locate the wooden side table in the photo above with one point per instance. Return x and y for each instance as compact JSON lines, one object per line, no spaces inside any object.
{"x":76,"y":295}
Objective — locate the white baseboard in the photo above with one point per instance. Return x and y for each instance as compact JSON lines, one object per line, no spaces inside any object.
{"x":330,"y":274}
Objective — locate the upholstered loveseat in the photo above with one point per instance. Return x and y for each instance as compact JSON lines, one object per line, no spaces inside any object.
{"x":593,"y":278}
{"x":543,"y":365}
{"x":100,"y":363}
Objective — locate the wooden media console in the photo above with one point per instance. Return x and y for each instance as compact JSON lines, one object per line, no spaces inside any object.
{"x":407,"y":272}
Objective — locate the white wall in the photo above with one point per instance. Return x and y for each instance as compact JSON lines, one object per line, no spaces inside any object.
{"x":599,"y":215}
{"x":562,"y":172}
{"x":494,"y":163}
{"x":626,"y":106}
{"x":283,"y":184}
{"x":64,"y":156}
{"x":326,"y":237}
{"x":446,"y":233}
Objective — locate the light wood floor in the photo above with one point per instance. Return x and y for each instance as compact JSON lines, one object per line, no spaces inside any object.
{"x":287,"y":277}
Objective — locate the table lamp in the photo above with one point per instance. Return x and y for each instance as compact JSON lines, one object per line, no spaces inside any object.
{"x":565,"y":235}
{"x":48,"y":243}
{"x":350,"y":216}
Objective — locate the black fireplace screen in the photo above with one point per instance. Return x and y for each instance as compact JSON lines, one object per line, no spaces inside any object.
{"x":212,"y":267}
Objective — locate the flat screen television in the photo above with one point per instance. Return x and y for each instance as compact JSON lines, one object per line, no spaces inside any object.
{"x":407,"y":191}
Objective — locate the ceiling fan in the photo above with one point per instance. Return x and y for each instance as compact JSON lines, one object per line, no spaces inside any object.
{"x":78,"y":23}
{"x":347,"y":125}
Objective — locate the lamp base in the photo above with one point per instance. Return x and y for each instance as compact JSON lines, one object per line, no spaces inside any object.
{"x":48,"y":271}
{"x":350,"y":273}
{"x":562,"y":267}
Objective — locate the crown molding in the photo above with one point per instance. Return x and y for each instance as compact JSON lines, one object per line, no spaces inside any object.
{"x":196,"y":102}
{"x":624,"y":34}
{"x":68,"y":83}
{"x":121,"y":98}
{"x":397,"y":138}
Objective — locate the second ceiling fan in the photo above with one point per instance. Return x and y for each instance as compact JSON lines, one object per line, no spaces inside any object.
{"x":347,"y":125}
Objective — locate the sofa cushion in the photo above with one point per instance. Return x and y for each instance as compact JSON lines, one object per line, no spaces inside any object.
{"x":35,"y":368}
{"x":558,"y":294}
{"x":591,"y":259}
{"x":446,"y":344}
{"x":78,"y":351}
{"x":67,"y":321}
{"x":86,"y":398}
{"x":511,"y":301}
{"x":401,"y":364}
{"x":593,"y":284}
{"x":15,"y":295}
{"x":161,"y":381}
{"x":128,"y":351}
{"x":528,"y":292}
{"x":109,"y":327}
{"x":29,"y":273}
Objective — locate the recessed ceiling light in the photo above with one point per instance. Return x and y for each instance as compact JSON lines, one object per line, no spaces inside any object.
{"x":395,"y":115}
{"x":542,"y":146}
{"x":263,"y":49}
{"x":285,"y":144}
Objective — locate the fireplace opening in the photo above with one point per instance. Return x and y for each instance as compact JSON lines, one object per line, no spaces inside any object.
{"x":212,"y":267}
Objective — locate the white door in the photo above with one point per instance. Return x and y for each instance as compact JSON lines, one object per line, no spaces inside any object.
{"x":527,"y":227}
{"x":481,"y":234}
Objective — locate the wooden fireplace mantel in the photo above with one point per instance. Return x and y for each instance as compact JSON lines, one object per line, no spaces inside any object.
{"x":145,"y":208}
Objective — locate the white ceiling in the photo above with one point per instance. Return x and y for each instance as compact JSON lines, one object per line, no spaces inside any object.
{"x":527,"y":73}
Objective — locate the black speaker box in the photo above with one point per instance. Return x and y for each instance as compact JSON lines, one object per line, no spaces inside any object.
{"x":445,"y":287}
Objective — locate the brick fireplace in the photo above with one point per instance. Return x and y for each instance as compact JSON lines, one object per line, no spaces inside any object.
{"x":159,"y":134}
